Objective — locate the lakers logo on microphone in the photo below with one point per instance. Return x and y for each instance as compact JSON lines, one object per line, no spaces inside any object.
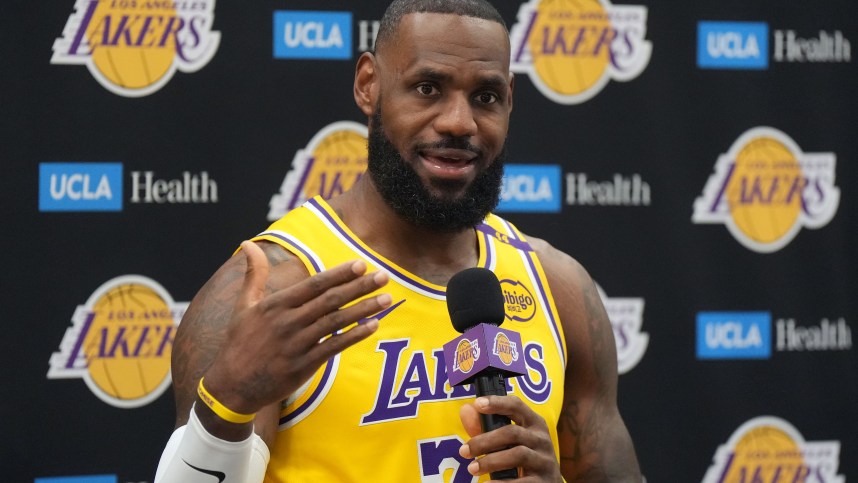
{"x":467,"y":353}
{"x":505,"y":349}
{"x":765,"y":189}
{"x":331,"y":163}
{"x":570,"y":49}
{"x":133,"y":47}
{"x":120,"y":342}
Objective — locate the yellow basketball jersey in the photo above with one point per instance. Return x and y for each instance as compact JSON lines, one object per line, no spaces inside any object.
{"x":383,"y":410}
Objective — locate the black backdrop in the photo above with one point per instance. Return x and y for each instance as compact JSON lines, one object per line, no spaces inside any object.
{"x":241,"y":117}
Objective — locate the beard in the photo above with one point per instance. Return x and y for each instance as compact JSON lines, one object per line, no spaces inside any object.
{"x":402,"y":189}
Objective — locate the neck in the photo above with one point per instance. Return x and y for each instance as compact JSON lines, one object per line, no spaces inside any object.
{"x":431,"y":255}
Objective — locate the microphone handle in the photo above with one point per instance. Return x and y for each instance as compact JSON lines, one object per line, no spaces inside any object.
{"x":494,"y":384}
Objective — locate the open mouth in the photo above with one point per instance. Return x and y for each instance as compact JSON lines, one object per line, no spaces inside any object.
{"x":448,"y":162}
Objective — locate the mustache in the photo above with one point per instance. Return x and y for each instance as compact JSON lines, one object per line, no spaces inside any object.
{"x":451,"y":143}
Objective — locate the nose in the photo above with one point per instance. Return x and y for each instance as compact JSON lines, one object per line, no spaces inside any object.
{"x":456,"y":116}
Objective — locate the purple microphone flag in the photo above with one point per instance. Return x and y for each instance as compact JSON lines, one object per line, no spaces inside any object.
{"x":482,"y":347}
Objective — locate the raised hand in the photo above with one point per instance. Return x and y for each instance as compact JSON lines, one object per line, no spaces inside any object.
{"x":275,"y":342}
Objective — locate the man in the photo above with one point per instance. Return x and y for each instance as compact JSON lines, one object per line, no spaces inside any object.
{"x":262,"y":384}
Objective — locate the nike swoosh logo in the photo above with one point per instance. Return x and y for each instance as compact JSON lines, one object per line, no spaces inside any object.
{"x":220,"y":475}
{"x":384,"y":313}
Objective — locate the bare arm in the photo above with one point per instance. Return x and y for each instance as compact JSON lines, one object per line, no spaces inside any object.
{"x":594,"y":443}
{"x":254,"y":332}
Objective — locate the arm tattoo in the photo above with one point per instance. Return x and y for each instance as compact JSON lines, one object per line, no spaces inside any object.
{"x":203,"y":327}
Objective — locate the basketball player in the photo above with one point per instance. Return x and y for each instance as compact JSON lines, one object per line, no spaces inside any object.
{"x":264,"y":388}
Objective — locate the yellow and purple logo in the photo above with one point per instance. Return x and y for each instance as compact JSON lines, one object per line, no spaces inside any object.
{"x":467,"y":354}
{"x":765,"y":189}
{"x":572,"y":48}
{"x":767,"y":448}
{"x":505,"y":349}
{"x":133,"y":47}
{"x":331,"y":163}
{"x":120,"y":341}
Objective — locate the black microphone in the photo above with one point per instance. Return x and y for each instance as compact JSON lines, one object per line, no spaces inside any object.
{"x":476,"y":306}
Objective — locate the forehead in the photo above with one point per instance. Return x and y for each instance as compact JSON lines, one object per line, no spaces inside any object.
{"x":456,"y":42}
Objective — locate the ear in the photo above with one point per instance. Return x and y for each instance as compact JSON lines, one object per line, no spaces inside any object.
{"x":366,"y":83}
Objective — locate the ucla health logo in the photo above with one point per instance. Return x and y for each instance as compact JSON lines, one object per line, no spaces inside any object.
{"x":734,"y":335}
{"x":530,"y":188}
{"x":120,"y":340}
{"x":330,"y":164}
{"x":768,"y":448}
{"x":80,"y":186}
{"x":312,"y":35}
{"x":732,"y":45}
{"x":765,"y":189}
{"x":133,"y":47}
{"x":571,"y":49}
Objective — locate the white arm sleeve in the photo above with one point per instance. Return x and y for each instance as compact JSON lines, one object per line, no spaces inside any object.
{"x":193,"y":455}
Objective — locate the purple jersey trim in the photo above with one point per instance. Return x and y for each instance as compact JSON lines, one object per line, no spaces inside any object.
{"x":357,"y":246}
{"x":509,"y":240}
{"x":543,"y":295}
{"x":297,"y":247}
{"x":309,"y":402}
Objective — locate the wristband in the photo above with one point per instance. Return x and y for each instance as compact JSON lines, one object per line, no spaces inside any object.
{"x":224,"y":412}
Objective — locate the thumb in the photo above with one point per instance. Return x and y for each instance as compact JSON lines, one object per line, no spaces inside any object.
{"x":255,"y":275}
{"x":470,"y":419}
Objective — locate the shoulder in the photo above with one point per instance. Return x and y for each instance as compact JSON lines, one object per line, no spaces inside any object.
{"x":587,"y":330}
{"x":566,"y":276}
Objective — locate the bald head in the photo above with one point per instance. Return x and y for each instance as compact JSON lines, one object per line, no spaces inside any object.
{"x":400,"y":8}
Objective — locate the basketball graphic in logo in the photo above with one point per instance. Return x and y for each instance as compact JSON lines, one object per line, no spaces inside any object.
{"x":467,"y":353}
{"x":331,"y":163}
{"x":120,"y":342}
{"x":765,"y":189}
{"x":570,"y":49}
{"x":133,"y":47}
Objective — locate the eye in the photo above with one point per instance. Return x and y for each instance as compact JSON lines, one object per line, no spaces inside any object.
{"x":487,"y":97}
{"x":426,"y":89}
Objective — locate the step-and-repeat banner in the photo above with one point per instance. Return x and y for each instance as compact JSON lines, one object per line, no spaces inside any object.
{"x":699,"y":158}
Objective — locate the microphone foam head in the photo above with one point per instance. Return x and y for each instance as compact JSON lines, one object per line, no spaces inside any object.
{"x":474,"y":297}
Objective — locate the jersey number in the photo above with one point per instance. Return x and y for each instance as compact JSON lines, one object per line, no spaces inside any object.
{"x":438,"y":455}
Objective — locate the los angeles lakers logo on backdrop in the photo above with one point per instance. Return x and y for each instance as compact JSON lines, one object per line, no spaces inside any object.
{"x":767,"y":448}
{"x":120,"y":342}
{"x":330,"y":164}
{"x":572,"y":48}
{"x":765,"y":189}
{"x":133,"y":47}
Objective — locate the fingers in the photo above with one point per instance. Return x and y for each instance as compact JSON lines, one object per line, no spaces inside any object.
{"x":255,"y":275}
{"x":470,"y":420}
{"x":320,"y":284}
{"x":510,"y":406}
{"x":526,"y":444}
